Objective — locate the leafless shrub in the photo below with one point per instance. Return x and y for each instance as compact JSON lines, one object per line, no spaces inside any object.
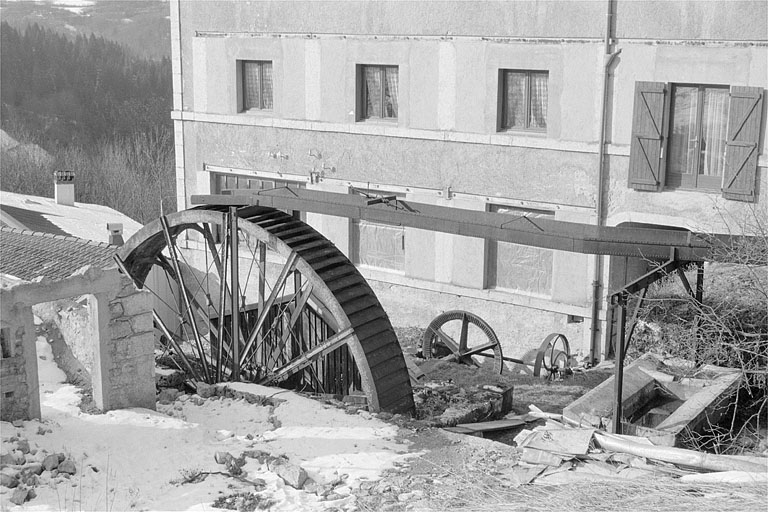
{"x":728,"y":328}
{"x":133,"y":174}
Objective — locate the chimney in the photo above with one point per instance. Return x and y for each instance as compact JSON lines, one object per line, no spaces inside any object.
{"x":64,"y":184}
{"x":115,"y":233}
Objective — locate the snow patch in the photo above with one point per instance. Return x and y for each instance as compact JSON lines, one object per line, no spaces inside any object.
{"x":358,"y":466}
{"x":356,"y":433}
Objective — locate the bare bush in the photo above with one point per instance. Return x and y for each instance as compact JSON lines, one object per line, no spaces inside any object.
{"x":132,"y":174}
{"x":728,"y":328}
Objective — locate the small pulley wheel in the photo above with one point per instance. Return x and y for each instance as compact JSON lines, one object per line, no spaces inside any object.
{"x":554,"y":355}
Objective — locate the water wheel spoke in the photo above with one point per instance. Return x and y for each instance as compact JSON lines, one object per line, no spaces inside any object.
{"x":290,"y":264}
{"x":307,"y":358}
{"x":172,"y":340}
{"x":295,"y":315}
{"x":171,"y":244}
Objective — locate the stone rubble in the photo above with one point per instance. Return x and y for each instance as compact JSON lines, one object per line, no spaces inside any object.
{"x":23,"y":466}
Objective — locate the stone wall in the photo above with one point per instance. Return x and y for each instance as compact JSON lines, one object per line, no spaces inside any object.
{"x":122,"y":345}
{"x":130,"y":360}
{"x":18,"y":367}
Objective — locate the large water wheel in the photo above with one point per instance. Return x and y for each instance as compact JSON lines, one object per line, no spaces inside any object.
{"x":305,"y":317}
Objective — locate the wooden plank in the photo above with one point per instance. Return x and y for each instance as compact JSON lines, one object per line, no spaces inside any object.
{"x":574,"y":441}
{"x":413,"y":371}
{"x":491,"y":426}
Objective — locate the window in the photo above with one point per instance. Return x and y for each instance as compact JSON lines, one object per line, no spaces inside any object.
{"x":379,"y":245}
{"x":520,"y":267}
{"x":697,"y":136}
{"x":524,"y":96}
{"x":703,"y":137}
{"x":257,"y":85}
{"x":378,"y":92}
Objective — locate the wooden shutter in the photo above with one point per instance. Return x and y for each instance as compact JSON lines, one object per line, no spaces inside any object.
{"x":741,"y":147}
{"x":646,"y":154}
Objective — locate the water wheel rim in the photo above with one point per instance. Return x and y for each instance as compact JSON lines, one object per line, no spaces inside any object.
{"x":372,"y":342}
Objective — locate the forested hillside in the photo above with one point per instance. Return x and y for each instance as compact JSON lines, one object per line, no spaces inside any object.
{"x":99,"y":110}
{"x":79,"y":90}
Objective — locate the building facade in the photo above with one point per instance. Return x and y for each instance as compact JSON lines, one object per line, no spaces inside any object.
{"x":608,"y":111}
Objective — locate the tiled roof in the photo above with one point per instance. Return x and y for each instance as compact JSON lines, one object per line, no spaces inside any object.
{"x":32,"y":220}
{"x":27,"y":254}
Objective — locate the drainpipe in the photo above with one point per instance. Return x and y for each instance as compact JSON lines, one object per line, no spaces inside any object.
{"x":608,"y":59}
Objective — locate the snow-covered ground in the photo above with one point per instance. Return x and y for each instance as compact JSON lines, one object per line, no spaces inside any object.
{"x":138,"y":458}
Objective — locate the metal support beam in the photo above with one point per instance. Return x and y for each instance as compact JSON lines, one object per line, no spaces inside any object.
{"x":619,"y":301}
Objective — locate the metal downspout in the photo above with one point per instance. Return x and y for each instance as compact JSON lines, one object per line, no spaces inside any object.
{"x":608,"y":58}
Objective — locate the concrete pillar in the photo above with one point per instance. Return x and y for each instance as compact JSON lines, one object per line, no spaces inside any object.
{"x":29,"y":343}
{"x":98,"y":310}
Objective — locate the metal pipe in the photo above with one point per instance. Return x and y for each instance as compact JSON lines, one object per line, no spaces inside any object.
{"x":608,"y":58}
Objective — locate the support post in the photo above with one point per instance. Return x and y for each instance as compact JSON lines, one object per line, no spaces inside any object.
{"x":235,"y":292}
{"x":699,"y":281}
{"x":619,"y":300}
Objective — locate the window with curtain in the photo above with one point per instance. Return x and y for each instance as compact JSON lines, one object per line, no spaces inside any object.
{"x":257,"y":85}
{"x":520,"y":267}
{"x":698,"y":125}
{"x":524,"y":100}
{"x":378,"y":92}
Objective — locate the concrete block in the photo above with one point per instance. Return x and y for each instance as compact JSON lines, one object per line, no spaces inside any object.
{"x":136,"y":304}
{"x":141,"y":323}
{"x":120,"y":328}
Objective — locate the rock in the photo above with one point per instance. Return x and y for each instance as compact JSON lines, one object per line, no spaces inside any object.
{"x":51,"y":462}
{"x":223,"y":457}
{"x":23,"y":446}
{"x":67,"y":467}
{"x":7,"y":459}
{"x":168,"y":378}
{"x":404,"y":497}
{"x":205,"y":390}
{"x":292,"y":475}
{"x":19,"y":496}
{"x":8,"y":480}
{"x":18,"y":457}
{"x":18,"y":423}
{"x":168,"y":395}
{"x":364,"y":414}
{"x":34,"y":468}
{"x":30,"y":480}
{"x":385,"y":416}
{"x":259,"y":455}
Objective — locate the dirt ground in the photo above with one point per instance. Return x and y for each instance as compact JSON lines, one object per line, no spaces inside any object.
{"x":461,"y":472}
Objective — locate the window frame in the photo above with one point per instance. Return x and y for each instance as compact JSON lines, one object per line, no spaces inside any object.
{"x":243,"y":88}
{"x":693,"y":181}
{"x":355,"y":241}
{"x":362,"y":95}
{"x":502,"y":103}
